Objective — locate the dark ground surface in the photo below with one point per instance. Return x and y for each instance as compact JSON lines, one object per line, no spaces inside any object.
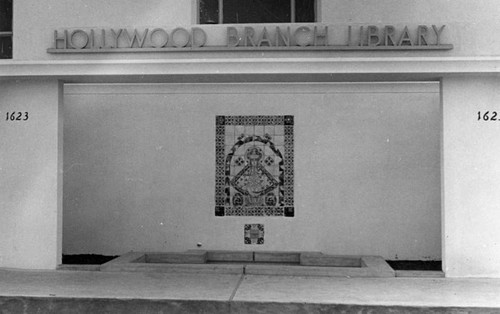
{"x":415,"y":265}
{"x":86,"y":259}
{"x":95,"y":259}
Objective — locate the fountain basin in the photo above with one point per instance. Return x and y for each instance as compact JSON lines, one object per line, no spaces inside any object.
{"x":252,"y":263}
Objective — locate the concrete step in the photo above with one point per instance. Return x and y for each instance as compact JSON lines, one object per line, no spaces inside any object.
{"x":23,"y":291}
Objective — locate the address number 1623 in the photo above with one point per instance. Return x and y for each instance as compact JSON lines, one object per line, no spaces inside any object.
{"x":17,"y":116}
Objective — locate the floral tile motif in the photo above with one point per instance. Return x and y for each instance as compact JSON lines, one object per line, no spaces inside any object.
{"x":254,"y":166}
{"x":254,"y":234}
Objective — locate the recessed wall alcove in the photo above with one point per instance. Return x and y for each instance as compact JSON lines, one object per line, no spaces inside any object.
{"x":140,"y":168}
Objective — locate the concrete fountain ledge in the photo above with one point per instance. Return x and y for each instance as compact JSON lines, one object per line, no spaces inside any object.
{"x":252,"y":263}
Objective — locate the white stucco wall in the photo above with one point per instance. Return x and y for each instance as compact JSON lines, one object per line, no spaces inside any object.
{"x":31,"y":175}
{"x":140,"y":168}
{"x":470,"y":25}
{"x":469,"y":249}
{"x":33,"y":35}
{"x":471,"y":177}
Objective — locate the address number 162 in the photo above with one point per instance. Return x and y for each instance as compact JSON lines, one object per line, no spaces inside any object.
{"x":487,"y":116}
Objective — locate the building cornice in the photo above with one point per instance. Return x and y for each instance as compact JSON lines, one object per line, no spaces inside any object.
{"x":427,"y":66}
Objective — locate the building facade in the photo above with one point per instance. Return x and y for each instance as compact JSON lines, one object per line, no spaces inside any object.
{"x":346,"y":127}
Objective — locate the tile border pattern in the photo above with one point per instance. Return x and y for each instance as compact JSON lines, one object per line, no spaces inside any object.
{"x":223,"y":206}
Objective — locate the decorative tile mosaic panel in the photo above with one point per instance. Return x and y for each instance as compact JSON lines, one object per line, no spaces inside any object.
{"x":254,"y":234}
{"x":254,"y":166}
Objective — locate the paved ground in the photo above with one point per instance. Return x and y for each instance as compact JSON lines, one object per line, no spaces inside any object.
{"x":105,"y":292}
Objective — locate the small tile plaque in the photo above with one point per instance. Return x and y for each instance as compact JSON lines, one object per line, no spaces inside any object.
{"x":254,"y":166}
{"x":254,"y":234}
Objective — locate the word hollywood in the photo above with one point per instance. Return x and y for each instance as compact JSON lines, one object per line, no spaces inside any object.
{"x":306,"y":37}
